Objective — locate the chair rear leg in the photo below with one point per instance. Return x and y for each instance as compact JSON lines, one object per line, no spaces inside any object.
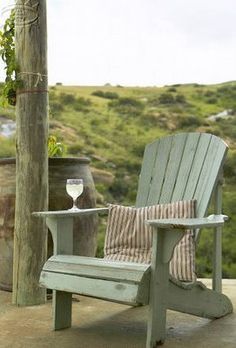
{"x":62,"y":309}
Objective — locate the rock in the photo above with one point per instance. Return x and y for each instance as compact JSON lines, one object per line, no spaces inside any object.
{"x":225,"y":114}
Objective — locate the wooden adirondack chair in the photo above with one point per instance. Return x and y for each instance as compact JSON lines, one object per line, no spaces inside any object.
{"x":178,"y":167}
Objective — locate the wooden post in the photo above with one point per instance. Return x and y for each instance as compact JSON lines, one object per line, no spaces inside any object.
{"x":31,"y":151}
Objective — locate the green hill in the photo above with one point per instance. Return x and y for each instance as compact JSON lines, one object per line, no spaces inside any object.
{"x":111,"y":125}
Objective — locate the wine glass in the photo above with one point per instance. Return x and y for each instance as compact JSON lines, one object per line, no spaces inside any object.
{"x":74,"y":188}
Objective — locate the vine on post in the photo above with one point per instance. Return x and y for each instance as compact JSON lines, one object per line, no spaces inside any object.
{"x":7,"y":52}
{"x":55,"y":149}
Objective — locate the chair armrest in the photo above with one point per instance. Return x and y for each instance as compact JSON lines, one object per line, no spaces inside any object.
{"x":69,"y":213}
{"x":168,"y":232}
{"x":183,"y":224}
{"x":60,"y":224}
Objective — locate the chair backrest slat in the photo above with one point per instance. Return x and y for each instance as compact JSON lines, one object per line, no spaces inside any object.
{"x":211,"y":170}
{"x":173,"y":168}
{"x":191,"y":166}
{"x":197,"y":165}
{"x":160,"y":167}
{"x":182,"y":166}
{"x":145,"y":177}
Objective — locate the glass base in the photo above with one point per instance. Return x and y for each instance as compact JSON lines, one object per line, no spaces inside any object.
{"x":74,"y":209}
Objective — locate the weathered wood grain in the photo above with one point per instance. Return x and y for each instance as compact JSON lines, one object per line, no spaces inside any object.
{"x":156,"y":326}
{"x":211,"y":170}
{"x":159,"y":170}
{"x":198,"y":300}
{"x":97,"y":268}
{"x":173,"y":167}
{"x":123,"y":292}
{"x":145,"y":176}
{"x":175,"y":224}
{"x":31,"y":151}
{"x":68,"y":213}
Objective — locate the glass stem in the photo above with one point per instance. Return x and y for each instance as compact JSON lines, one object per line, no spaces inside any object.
{"x":74,"y":203}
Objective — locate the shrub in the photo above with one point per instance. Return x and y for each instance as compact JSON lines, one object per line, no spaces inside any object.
{"x":111,"y":95}
{"x":98,"y":93}
{"x":119,"y":188}
{"x":154,"y":102}
{"x":209,"y":93}
{"x":172,"y":89}
{"x":223,"y":89}
{"x":82,"y":104}
{"x":212,"y":100}
{"x":56,"y":107}
{"x":230,"y":166}
{"x":189,"y":121}
{"x":169,"y":99}
{"x":166,"y":98}
{"x":180,"y":98}
{"x":67,"y":98}
{"x":127,"y":106}
{"x":107,"y":95}
{"x":75,"y":148}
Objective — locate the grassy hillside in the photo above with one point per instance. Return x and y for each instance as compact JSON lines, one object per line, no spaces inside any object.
{"x":111,"y":125}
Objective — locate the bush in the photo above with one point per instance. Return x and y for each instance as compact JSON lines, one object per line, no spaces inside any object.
{"x":209,"y":94}
{"x":82,"y":104}
{"x":180,"y":98}
{"x":124,"y":187}
{"x":172,"y":89}
{"x":166,"y":98}
{"x":223,"y":89}
{"x":107,"y":95}
{"x":98,"y":93}
{"x":119,"y":188}
{"x":189,"y":121}
{"x":212,"y":100}
{"x":230,"y":166}
{"x":67,"y":98}
{"x":127,"y":106}
{"x":75,"y":149}
{"x":56,"y":107}
{"x":111,"y":95}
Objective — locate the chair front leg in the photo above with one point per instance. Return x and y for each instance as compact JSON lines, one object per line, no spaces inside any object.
{"x":156,"y":329}
{"x":62,"y":309}
{"x":62,"y":233}
{"x":163,"y":245}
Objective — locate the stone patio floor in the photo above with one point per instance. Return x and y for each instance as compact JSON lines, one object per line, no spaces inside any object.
{"x":100,"y":324}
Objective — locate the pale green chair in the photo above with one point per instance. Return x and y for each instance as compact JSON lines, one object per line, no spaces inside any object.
{"x":179,"y":167}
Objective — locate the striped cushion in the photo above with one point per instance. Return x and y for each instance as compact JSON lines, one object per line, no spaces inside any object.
{"x":128,"y":238}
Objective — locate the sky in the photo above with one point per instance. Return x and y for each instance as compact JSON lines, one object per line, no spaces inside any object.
{"x":140,"y":42}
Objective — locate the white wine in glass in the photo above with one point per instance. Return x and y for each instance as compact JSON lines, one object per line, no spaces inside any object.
{"x":74,"y":188}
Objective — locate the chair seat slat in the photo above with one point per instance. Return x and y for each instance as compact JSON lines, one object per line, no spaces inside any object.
{"x":97,"y":268}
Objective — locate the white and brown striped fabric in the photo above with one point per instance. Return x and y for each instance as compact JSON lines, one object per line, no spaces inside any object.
{"x":128,"y":238}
